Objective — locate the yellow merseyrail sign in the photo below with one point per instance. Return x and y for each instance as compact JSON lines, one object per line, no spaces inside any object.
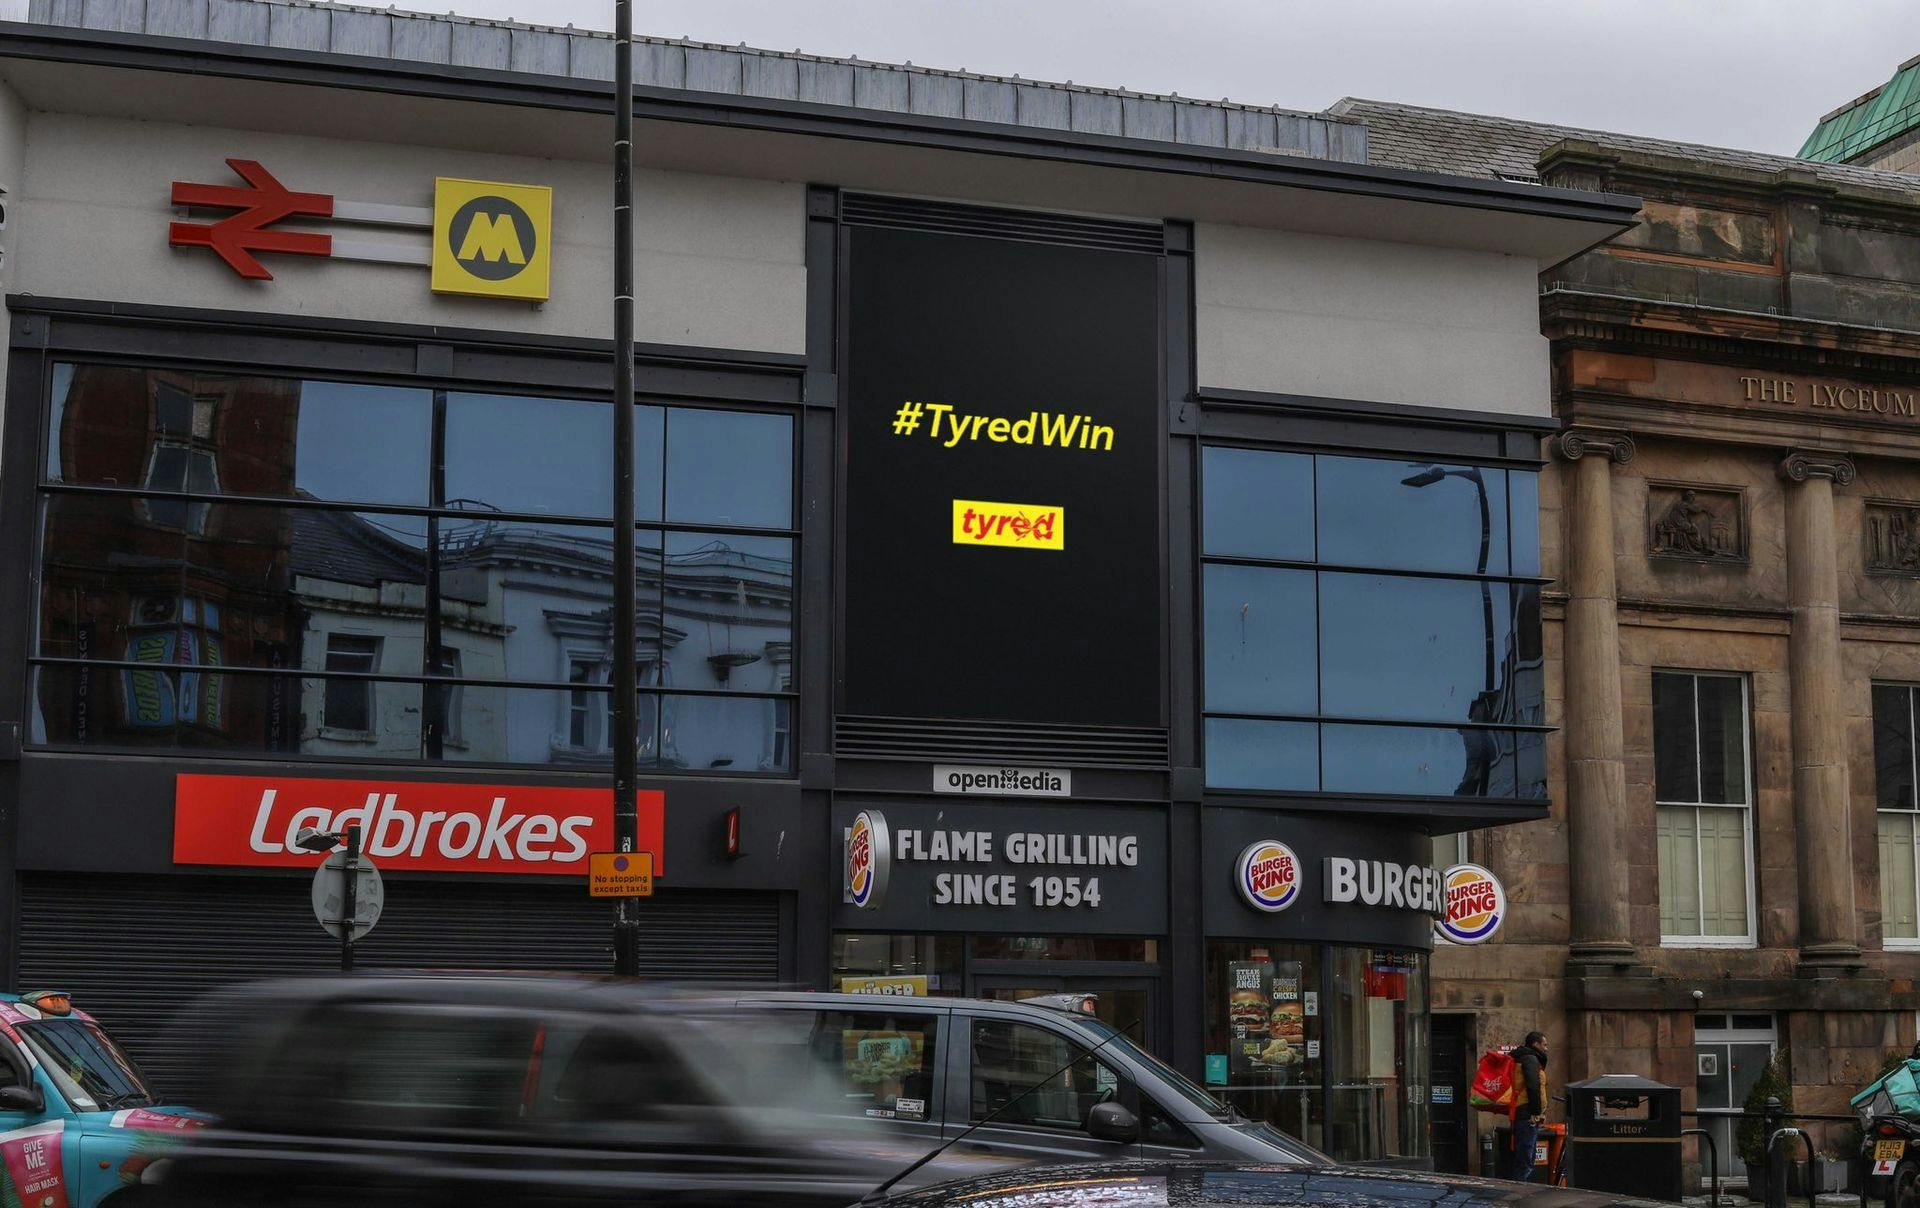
{"x":1019,"y":525}
{"x":492,"y":240}
{"x":620,"y":874}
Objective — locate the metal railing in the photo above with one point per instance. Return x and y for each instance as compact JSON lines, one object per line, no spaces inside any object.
{"x":1774,"y":1119}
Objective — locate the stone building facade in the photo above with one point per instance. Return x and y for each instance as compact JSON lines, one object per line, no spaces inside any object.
{"x":1733,"y":626}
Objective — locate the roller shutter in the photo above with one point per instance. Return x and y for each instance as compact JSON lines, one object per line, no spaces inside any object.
{"x":135,"y":951}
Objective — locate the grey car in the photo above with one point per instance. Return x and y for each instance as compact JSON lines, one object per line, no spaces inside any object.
{"x":1051,"y":1085}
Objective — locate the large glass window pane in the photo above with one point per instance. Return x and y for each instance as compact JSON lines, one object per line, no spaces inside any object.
{"x":1379,"y":1065}
{"x":1257,"y":504}
{"x":857,"y":957}
{"x":527,"y":600}
{"x":1245,"y":754}
{"x":1899,"y":894}
{"x":1440,"y":642}
{"x":1530,"y":764}
{"x":1010,"y":1057}
{"x":351,"y":572}
{"x":1678,"y":842}
{"x":724,"y":734}
{"x":726,"y":617}
{"x":1523,"y":498}
{"x":1893,"y":755}
{"x":492,"y":724}
{"x":1723,"y":737}
{"x":1263,"y":1013}
{"x":175,"y":430}
{"x":98,"y":559}
{"x":729,"y":467}
{"x":540,"y":455}
{"x":1723,"y":871}
{"x":1427,"y":760}
{"x":103,"y":706}
{"x":364,"y":444}
{"x":1259,"y":624}
{"x":1676,"y":743}
{"x":1411,"y":515}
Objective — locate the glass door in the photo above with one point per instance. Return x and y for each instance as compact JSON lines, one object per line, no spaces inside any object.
{"x":1730,"y":1052}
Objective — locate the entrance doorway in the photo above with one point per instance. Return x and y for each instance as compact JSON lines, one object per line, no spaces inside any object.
{"x":1452,"y":1044}
{"x":1124,"y":1003}
{"x":1730,"y":1052}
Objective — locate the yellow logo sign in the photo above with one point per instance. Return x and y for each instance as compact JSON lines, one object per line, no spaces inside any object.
{"x":492,"y":240}
{"x":1021,"y":525}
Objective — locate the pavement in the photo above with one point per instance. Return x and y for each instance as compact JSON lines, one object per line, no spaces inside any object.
{"x":1735,"y":1199}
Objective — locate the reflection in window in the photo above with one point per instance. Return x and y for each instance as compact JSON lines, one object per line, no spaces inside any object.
{"x":1378,"y":1098}
{"x":349,"y":703}
{"x":1263,"y":1014}
{"x":512,"y":615}
{"x":1010,"y":1057}
{"x":1293,"y":651}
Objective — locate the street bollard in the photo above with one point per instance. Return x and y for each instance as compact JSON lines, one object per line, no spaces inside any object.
{"x":1489,"y":1161}
{"x":1776,"y":1160}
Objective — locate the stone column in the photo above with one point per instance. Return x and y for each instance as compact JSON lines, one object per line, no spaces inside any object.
{"x":1596,"y":756}
{"x":1823,"y":836}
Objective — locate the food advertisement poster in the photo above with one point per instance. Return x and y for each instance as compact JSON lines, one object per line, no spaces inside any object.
{"x":1266,"y":1021}
{"x":879,"y":1064}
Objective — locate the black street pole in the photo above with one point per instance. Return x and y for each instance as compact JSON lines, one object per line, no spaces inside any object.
{"x":349,"y":897}
{"x":626,"y":737}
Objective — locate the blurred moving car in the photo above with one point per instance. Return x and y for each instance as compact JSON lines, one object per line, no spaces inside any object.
{"x":1241,"y":1185}
{"x":494,"y":1089}
{"x":78,"y":1124}
{"x":929,"y":1068}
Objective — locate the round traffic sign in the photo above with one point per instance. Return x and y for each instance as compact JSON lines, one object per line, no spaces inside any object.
{"x":329,"y":889}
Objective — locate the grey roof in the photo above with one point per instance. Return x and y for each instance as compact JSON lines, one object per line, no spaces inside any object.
{"x":313,"y":25}
{"x":1474,"y":144}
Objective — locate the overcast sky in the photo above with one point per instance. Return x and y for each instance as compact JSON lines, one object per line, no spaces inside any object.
{"x":1742,"y":73}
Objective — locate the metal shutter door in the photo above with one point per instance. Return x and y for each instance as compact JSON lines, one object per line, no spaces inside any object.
{"x":135,"y":951}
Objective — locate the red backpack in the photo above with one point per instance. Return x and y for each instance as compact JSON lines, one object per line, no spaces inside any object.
{"x":1496,"y":1083}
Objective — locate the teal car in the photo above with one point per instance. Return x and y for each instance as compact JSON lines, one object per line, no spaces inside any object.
{"x":78,"y":1124}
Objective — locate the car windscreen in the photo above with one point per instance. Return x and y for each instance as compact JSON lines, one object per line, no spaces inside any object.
{"x":1114,"y":1039}
{"x":86,"y":1065}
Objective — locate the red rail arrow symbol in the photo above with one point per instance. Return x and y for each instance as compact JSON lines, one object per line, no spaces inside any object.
{"x":236,"y":237}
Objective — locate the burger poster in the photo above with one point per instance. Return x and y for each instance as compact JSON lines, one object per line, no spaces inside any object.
{"x":1266,"y":1020}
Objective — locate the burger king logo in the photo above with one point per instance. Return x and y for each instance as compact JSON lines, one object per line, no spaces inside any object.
{"x":869,"y":856}
{"x":1474,"y":907}
{"x":1269,"y":875}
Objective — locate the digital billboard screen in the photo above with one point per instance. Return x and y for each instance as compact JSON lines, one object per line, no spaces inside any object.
{"x":1004,"y":449}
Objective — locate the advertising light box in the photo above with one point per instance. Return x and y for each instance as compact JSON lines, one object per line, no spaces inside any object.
{"x":1004,"y":447}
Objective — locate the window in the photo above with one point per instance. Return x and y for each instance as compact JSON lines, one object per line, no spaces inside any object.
{"x":1324,"y":579}
{"x":349,"y":702}
{"x":586,"y":709}
{"x":428,"y":518}
{"x":1264,"y":1018}
{"x":1703,"y":794}
{"x":1380,"y":1067}
{"x":452,"y":696}
{"x":1449,"y":850}
{"x":871,"y":1064}
{"x":1009,"y":1057}
{"x":1895,"y":786}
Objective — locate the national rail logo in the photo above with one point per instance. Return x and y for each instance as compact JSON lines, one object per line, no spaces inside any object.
{"x":1475,"y":905}
{"x":1268,"y":875}
{"x":869,"y":858}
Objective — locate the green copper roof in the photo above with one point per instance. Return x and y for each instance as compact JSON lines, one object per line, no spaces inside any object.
{"x":1886,"y":112}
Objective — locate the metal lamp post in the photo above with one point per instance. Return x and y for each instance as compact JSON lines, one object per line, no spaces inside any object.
{"x":1427,"y":478}
{"x":625,"y":706}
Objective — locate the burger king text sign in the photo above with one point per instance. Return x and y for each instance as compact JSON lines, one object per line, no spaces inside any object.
{"x":251,"y":821}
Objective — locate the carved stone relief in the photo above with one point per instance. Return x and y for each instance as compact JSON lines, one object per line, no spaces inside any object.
{"x":1893,"y":538}
{"x":1701,"y":523}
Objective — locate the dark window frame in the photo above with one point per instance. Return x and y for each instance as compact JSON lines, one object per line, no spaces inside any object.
{"x":216,"y":343}
{"x":1234,"y":433}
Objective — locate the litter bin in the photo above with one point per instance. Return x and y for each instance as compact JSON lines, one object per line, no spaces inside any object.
{"x":1623,"y":1133}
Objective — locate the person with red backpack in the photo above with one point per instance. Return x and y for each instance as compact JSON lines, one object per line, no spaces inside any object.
{"x":1530,"y":1106}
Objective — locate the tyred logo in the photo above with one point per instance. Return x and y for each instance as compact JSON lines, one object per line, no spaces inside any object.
{"x":251,"y":821}
{"x":1475,"y":905}
{"x":1268,"y":875}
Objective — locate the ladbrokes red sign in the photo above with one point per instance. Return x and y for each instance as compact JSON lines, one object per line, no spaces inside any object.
{"x":405,"y":825}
